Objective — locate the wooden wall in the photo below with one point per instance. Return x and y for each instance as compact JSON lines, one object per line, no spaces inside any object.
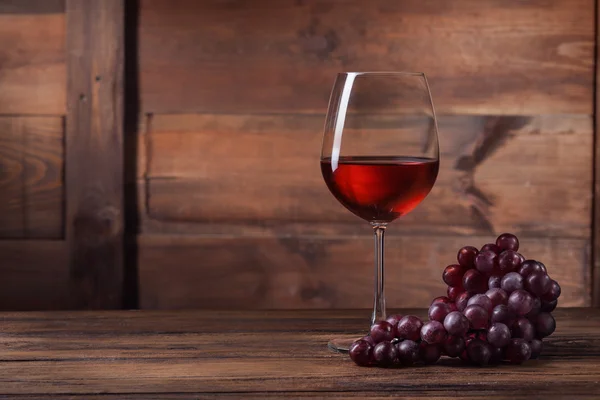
{"x":234,"y":212}
{"x":223,"y":119}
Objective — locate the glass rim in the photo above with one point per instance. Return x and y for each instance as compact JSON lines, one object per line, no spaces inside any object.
{"x":411,"y":73}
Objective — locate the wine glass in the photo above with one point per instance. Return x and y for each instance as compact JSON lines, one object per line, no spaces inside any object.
{"x":380,"y":155}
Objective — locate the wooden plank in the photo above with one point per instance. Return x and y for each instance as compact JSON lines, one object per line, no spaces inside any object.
{"x":31,"y":189}
{"x":492,"y":57}
{"x":146,"y":354}
{"x":32,"y":71}
{"x":94,"y":139}
{"x":34,"y":274}
{"x":596,"y":183}
{"x":323,"y":272}
{"x":32,"y":6}
{"x":497,"y":174}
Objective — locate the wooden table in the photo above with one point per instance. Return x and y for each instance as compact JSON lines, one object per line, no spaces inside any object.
{"x":184,"y":354}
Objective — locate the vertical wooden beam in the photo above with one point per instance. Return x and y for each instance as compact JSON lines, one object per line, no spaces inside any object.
{"x":94,"y":151}
{"x":596,"y":173}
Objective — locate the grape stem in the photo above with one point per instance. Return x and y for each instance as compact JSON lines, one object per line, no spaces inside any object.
{"x":379,"y":296}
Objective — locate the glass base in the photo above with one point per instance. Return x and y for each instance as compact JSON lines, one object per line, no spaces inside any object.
{"x":342,"y":344}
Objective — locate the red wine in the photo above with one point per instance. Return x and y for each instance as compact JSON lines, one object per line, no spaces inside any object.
{"x":380,"y":189}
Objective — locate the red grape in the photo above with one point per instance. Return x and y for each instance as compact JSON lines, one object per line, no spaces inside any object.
{"x":361,"y":352}
{"x":549,"y":306}
{"x":441,"y":299}
{"x":520,"y":301}
{"x":536,"y":308}
{"x":497,"y":355}
{"x":382,"y":331}
{"x":479,"y":352}
{"x":429,"y":353}
{"x":498,"y":335}
{"x":466,"y":256}
{"x":553,"y":293}
{"x":503,"y":314}
{"x":518,"y":351}
{"x":486,"y":262}
{"x":508,"y":241}
{"x":409,"y":327}
{"x":483,"y":301}
{"x":438,"y":311}
{"x":490,"y":247}
{"x":497,"y":296}
{"x":511,"y":282}
{"x":454,"y":291}
{"x":369,"y":339}
{"x":453,"y":275}
{"x":494,"y":282}
{"x":385,"y":354}
{"x":433,"y":332}
{"x":509,"y":261}
{"x":408,"y":352}
{"x":454,"y":345}
{"x":530,"y":266}
{"x":474,"y":281}
{"x":538,"y":283}
{"x":462,"y":300}
{"x":523,"y":329}
{"x":477,"y":316}
{"x":456,"y":323}
{"x":536,"y":348}
{"x":545,"y":325}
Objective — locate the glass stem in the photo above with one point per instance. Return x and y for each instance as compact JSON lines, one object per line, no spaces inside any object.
{"x":379,"y":301}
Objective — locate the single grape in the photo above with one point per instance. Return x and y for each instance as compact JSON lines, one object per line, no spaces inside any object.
{"x":530,"y":266}
{"x":454,"y":345}
{"x":536,"y":348}
{"x":536,"y":308}
{"x":538,"y":283}
{"x":466,"y":256}
{"x":545,"y":325}
{"x":498,"y":335}
{"x":385,"y":354}
{"x":361,"y":352}
{"x":409,"y":327}
{"x":408,"y":352}
{"x":508,"y":241}
{"x":553,"y":293}
{"x":441,"y":299}
{"x":523,"y":329}
{"x":479,"y":352}
{"x":462,"y":300}
{"x":497,"y":355}
{"x":437,"y":312}
{"x":453,"y":274}
{"x":456,"y":323}
{"x":511,"y":282}
{"x":477,"y":316}
{"x":429,"y":353}
{"x":520,"y":301}
{"x":549,"y":306}
{"x":433,"y":332}
{"x":369,"y":339}
{"x":483,"y":301}
{"x":503,"y":314}
{"x":494,"y":282}
{"x":518,"y":351}
{"x":497,"y":296}
{"x":474,"y":281}
{"x":509,"y":261}
{"x":393,"y":320}
{"x":382,"y":331}
{"x":490,"y":247}
{"x":486,"y":262}
{"x":454,"y":291}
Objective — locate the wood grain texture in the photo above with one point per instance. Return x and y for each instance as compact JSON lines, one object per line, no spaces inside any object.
{"x":595,"y":216}
{"x":323,"y":272}
{"x":32,"y":6}
{"x":32,"y":59}
{"x":35,"y":275}
{"x":31,"y":177}
{"x":94,"y":139}
{"x":492,"y":57}
{"x":275,"y":354}
{"x":496,"y":174}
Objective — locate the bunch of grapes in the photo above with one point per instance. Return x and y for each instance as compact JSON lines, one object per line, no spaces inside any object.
{"x":498,"y":308}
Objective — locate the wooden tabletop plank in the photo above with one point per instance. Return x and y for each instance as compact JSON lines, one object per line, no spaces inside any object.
{"x":177,"y":354}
